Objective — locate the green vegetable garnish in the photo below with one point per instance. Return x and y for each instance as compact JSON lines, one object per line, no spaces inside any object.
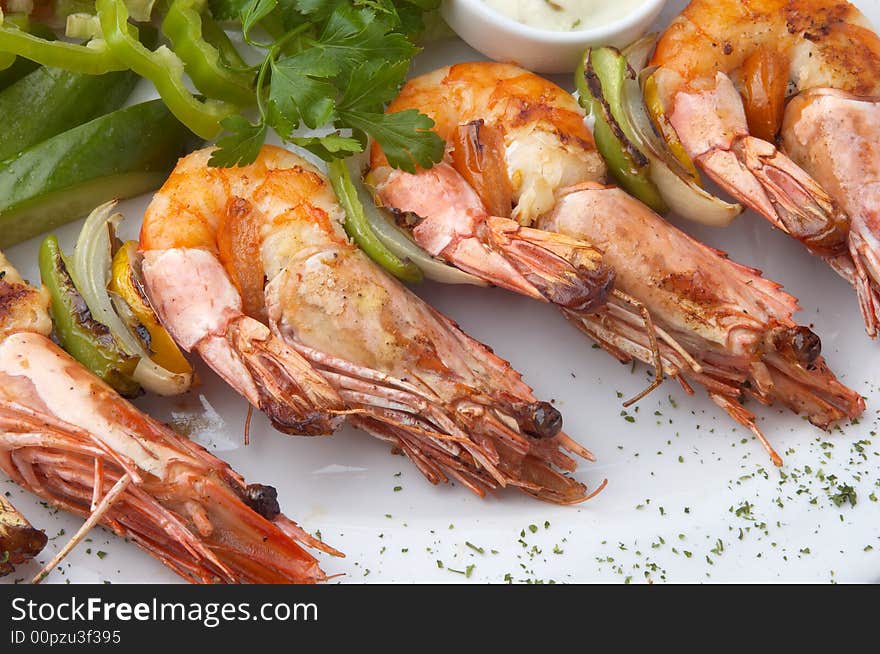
{"x":358,"y":228}
{"x":599,"y":80}
{"x":331,"y":64}
{"x":328,"y":65}
{"x":94,"y":59}
{"x":184,"y":25}
{"x":85,"y":339}
{"x":119,"y":155}
{"x":163,"y":68}
{"x":49,"y":101}
{"x":21,"y":66}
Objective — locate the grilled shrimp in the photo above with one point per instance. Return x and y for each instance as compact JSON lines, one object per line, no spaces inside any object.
{"x":251,"y":268}
{"x":73,"y":441}
{"x":719,"y":324}
{"x":19,"y":541}
{"x":727,"y":69}
{"x":21,"y":308}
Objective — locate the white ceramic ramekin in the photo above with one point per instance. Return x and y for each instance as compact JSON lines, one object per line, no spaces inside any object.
{"x":545,"y":51}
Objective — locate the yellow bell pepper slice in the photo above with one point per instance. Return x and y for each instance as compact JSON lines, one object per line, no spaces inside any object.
{"x":164,"y":349}
{"x":661,"y":122}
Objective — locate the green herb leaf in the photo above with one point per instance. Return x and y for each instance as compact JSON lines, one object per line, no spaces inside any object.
{"x":373,"y":84}
{"x":241,"y":146}
{"x":329,"y":146}
{"x":226,"y":9}
{"x":318,"y":10}
{"x":353,"y":36}
{"x":300,"y":91}
{"x":333,"y":63}
{"x":253,"y":12}
{"x":404,"y":136}
{"x":845,"y":493}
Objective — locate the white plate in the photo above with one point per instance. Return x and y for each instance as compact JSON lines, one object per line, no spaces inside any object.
{"x":675,"y":480}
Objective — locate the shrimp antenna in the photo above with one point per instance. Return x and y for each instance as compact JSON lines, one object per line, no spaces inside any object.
{"x":774,"y":455}
{"x":652,"y":340}
{"x":747,"y":419}
{"x":96,"y":515}
{"x":247,"y":424}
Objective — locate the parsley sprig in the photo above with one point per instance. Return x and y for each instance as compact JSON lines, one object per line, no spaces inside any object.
{"x":330,"y":66}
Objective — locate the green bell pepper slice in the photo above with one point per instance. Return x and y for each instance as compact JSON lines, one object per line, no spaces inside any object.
{"x":94,"y":58}
{"x":213,"y":33}
{"x":358,"y":227}
{"x":183,"y":25}
{"x":23,"y":66}
{"x":163,"y":68}
{"x":14,"y":21}
{"x":84,"y":338}
{"x":599,"y":80}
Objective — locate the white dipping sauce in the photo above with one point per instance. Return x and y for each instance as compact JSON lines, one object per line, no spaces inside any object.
{"x":564,"y":15}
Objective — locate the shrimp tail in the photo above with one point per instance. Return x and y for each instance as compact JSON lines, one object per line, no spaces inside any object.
{"x":713,"y":128}
{"x":540,"y":265}
{"x":565,"y":272}
{"x":762,"y":177}
{"x":93,"y":454}
{"x":243,"y":351}
{"x":863,"y":272}
{"x":297,"y":399}
{"x":832,"y":135}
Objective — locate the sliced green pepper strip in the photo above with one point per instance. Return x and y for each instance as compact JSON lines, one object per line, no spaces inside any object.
{"x":23,"y":66}
{"x":359,"y":230}
{"x":85,"y":339}
{"x":183,"y":27}
{"x":6,"y":60}
{"x":94,"y":58}
{"x":140,"y":10}
{"x":214,"y":34}
{"x":17,"y":21}
{"x":163,"y":68}
{"x":599,"y":80}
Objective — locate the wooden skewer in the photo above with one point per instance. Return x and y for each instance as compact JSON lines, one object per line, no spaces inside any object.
{"x":96,"y":515}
